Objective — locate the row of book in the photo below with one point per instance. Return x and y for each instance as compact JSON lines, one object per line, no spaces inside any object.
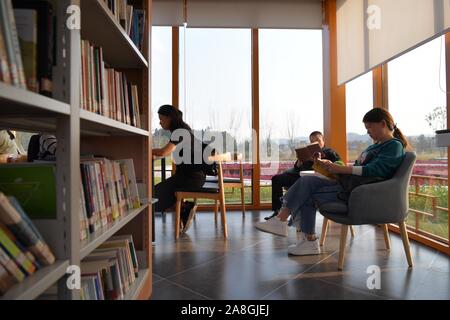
{"x":109,"y":272}
{"x":23,"y":250}
{"x":106,"y":91}
{"x":108,"y":191}
{"x":27,"y":50}
{"x":131,"y":19}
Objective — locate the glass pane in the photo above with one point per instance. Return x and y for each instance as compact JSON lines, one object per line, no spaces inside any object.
{"x":291,"y":98}
{"x":161,"y":89}
{"x":359,"y":101}
{"x":217,"y":99}
{"x":417,"y":101}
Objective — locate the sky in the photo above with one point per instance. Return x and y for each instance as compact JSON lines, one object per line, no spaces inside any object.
{"x":218,"y":77}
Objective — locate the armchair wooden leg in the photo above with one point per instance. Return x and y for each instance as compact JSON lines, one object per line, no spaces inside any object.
{"x":387,"y":239}
{"x":216,"y":210}
{"x":344,"y":233}
{"x":243,"y":199}
{"x":323,"y":236}
{"x":177,"y":218}
{"x":352,"y":231}
{"x":404,"y":234}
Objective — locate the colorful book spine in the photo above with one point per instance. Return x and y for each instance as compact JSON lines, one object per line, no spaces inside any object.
{"x":16,"y":45}
{"x":11,"y":248}
{"x":11,"y":266}
{"x":5,"y":74}
{"x":6,"y":26}
{"x":13,"y":216}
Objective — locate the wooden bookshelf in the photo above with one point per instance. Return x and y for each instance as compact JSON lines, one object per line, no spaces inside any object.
{"x":33,"y":287}
{"x":80,"y":132}
{"x":95,"y":124}
{"x":96,"y":239}
{"x":25,"y":110}
{"x":118,"y":48}
{"x":136,"y":288}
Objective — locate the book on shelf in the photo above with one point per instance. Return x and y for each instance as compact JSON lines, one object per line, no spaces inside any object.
{"x":11,"y":266}
{"x":23,"y":250}
{"x":13,"y":216}
{"x":10,"y":246}
{"x":132,"y":20}
{"x":27,"y":29}
{"x":106,"y":91}
{"x":109,"y":271}
{"x":45,"y":55}
{"x":6,"y":279}
{"x":11,"y":44}
{"x":307,"y":152}
{"x":109,"y":191}
{"x":138,"y":32}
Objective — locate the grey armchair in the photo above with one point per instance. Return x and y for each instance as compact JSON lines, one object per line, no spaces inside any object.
{"x":378,"y":203}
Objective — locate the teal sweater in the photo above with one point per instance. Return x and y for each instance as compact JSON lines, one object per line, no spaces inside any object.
{"x":382,"y":160}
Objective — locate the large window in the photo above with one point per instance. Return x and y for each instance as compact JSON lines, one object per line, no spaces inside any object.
{"x":291,"y":97}
{"x":359,"y":100}
{"x":161,"y":76}
{"x":215,"y":65}
{"x":417,"y":100}
{"x":161,"y":90}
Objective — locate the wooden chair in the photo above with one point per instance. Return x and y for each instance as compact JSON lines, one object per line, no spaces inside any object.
{"x":235,"y":183}
{"x":210,"y":190}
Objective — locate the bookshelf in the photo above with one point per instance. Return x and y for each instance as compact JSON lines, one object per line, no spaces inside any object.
{"x":34,"y":286}
{"x":81,"y":132}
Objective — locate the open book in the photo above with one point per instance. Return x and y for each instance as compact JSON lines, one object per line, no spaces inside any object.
{"x":317,"y":167}
{"x":307,"y":153}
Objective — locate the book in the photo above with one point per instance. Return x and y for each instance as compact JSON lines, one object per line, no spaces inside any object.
{"x":118,"y":291}
{"x":306,"y":153}
{"x":13,"y":216}
{"x":7,"y":37}
{"x":11,"y":266}
{"x":5,"y":75}
{"x":6,"y":280}
{"x":317,"y":167}
{"x":133,"y":253}
{"x":106,"y":91}
{"x":16,"y":44}
{"x":106,"y":268}
{"x":27,"y":28}
{"x":46,"y":48}
{"x":15,"y":252}
{"x":130,"y":176}
{"x":33,"y":185}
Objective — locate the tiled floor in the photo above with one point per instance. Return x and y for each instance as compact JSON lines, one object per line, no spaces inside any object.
{"x":255,"y":265}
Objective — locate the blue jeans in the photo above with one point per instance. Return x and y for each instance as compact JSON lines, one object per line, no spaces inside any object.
{"x":302,"y":197}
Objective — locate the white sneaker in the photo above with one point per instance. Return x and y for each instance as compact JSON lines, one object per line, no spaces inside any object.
{"x":274,"y":226}
{"x":305,"y":247}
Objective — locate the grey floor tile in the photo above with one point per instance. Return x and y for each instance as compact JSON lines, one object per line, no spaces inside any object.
{"x":166,"y":290}
{"x":254,"y":265}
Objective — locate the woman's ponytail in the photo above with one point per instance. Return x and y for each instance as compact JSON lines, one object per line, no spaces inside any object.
{"x":400,"y":136}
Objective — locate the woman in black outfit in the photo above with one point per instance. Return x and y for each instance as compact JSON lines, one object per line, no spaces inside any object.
{"x":187,"y":175}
